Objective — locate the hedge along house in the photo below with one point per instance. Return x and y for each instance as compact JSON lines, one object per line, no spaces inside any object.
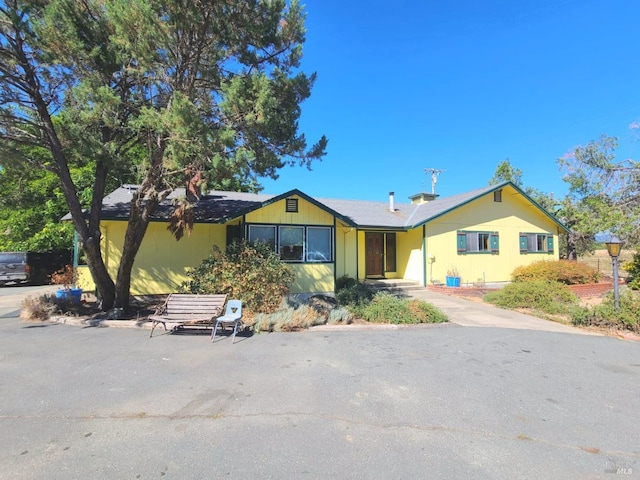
{"x":483,"y":234}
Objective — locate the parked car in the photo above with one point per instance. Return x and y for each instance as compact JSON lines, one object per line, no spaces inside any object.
{"x":31,"y":267}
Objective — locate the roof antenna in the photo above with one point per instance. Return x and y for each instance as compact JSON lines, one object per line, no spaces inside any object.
{"x":434,"y":177}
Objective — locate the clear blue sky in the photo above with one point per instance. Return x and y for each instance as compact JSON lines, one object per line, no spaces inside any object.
{"x":459,"y":86}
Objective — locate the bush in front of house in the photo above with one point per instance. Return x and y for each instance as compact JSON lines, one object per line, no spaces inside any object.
{"x":562,"y":271}
{"x":294,"y":315}
{"x":384,"y":307}
{"x":252,"y":273}
{"x":626,"y":317}
{"x":354,"y":294}
{"x":540,"y":295}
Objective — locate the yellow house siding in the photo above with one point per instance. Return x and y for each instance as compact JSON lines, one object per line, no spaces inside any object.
{"x":307,"y":214}
{"x":508,"y":218}
{"x":346,"y":252}
{"x":313,"y":278}
{"x":162,"y":262}
{"x":410,"y":255}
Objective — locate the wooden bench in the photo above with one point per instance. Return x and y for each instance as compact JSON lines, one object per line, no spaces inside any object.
{"x":186,"y":310}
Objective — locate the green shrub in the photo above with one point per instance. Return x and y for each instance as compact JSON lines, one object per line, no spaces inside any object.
{"x":387,"y":308}
{"x":541,"y":295}
{"x":633,"y":268}
{"x":355,"y":295}
{"x":562,"y":271}
{"x":626,"y":317}
{"x":345,"y":281}
{"x":252,"y":273}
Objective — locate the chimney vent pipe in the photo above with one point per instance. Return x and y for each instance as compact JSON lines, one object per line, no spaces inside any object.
{"x":392,"y":204}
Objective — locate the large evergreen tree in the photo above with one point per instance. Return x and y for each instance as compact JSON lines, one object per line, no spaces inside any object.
{"x":199,"y":93}
{"x":604,"y":193}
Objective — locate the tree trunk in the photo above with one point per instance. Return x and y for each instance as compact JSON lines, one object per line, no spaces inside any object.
{"x":572,"y":249}
{"x":144,"y":202}
{"x":90,"y":236}
{"x":136,"y":228}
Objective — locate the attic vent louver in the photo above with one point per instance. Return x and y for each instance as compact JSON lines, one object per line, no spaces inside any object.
{"x":292,"y":205}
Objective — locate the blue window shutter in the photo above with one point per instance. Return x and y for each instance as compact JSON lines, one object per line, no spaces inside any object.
{"x":550,"y":243}
{"x":523,"y":243}
{"x":462,"y":242}
{"x":495,"y":242}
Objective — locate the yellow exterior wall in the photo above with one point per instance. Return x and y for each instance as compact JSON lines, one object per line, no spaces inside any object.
{"x":307,"y":214}
{"x":346,"y":252}
{"x":410,"y":255}
{"x":310,"y":277}
{"x":509,"y":217}
{"x":162,"y":262}
{"x":313,"y":278}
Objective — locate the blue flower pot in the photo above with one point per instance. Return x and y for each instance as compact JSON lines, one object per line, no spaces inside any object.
{"x":73,"y":295}
{"x":453,"y":281}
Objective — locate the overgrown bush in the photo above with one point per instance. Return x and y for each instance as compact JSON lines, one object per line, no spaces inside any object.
{"x":541,"y":295}
{"x":626,"y":317}
{"x":385,"y":307}
{"x":294,"y":316}
{"x":633,"y":268}
{"x":356,"y":294}
{"x":252,"y":273}
{"x":562,"y":271}
{"x":345,"y":281}
{"x":37,"y":309}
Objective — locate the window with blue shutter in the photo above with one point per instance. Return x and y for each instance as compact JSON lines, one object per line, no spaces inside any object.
{"x":495,"y":243}
{"x":523,"y":243}
{"x":477,"y":242}
{"x":536,"y":243}
{"x":462,"y":242}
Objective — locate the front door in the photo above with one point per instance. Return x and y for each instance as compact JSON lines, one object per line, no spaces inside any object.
{"x":375,"y":254}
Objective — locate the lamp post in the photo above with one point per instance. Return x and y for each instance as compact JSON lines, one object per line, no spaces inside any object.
{"x":614,"y":245}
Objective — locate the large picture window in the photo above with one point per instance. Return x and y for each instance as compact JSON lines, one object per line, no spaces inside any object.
{"x":296,"y":243}
{"x":478,"y":242}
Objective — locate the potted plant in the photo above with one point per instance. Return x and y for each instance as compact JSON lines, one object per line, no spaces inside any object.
{"x":453,"y":277}
{"x":66,"y":278}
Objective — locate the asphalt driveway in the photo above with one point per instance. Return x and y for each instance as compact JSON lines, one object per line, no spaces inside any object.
{"x":424,"y":402}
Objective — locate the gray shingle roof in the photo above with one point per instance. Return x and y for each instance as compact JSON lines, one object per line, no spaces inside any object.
{"x":220,"y":206}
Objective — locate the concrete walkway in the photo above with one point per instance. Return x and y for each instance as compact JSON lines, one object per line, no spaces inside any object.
{"x":469,"y":313}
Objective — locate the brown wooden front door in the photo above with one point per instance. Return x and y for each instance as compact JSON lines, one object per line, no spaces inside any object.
{"x":375,"y":253}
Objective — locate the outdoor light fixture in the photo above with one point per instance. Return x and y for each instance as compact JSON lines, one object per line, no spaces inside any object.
{"x":614,"y":245}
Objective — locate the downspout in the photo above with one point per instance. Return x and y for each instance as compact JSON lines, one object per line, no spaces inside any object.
{"x":424,"y":255}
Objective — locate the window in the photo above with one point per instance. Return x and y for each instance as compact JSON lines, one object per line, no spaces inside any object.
{"x":264,"y":234}
{"x":291,"y":205}
{"x":536,"y":243}
{"x":296,"y":243}
{"x":390,"y":252}
{"x":291,"y":245}
{"x":478,"y":242}
{"x":318,"y":244}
